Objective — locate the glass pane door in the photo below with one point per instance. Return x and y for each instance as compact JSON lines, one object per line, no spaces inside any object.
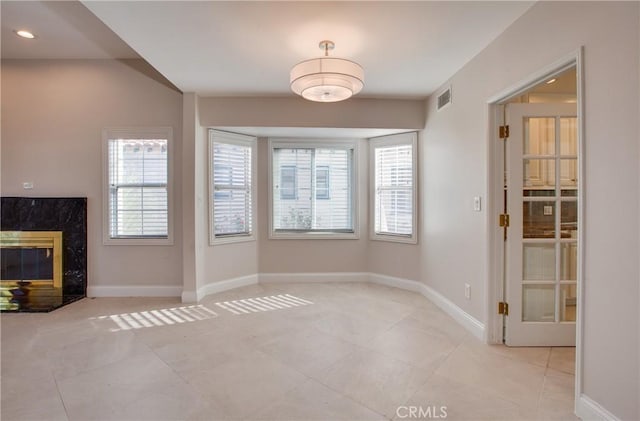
{"x":549,"y":218}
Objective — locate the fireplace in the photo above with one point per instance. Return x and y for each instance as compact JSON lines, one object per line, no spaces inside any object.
{"x":31,"y":257}
{"x":43,"y":253}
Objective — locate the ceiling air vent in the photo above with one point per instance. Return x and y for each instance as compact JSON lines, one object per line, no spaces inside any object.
{"x":444,"y":99}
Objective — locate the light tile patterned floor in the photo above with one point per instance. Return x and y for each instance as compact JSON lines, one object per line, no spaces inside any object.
{"x":285,"y":352}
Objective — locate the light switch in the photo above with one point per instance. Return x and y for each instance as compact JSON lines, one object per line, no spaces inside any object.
{"x":548,"y":210}
{"x":477,"y":204}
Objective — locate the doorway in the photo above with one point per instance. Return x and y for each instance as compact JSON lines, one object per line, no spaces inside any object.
{"x":536,"y":216}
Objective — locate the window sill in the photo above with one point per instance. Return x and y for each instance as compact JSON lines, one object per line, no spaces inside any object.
{"x":313,"y":236}
{"x":232,"y":239}
{"x":394,"y":238}
{"x":138,"y":241}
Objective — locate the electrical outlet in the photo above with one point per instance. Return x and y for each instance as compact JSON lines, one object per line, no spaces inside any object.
{"x":467,"y":291}
{"x":547,"y":210}
{"x":27,"y":185}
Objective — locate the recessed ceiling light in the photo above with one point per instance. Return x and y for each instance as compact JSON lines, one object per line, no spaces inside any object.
{"x":550,"y":81}
{"x":25,"y":34}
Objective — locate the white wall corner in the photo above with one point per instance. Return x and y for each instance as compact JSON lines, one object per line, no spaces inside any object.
{"x":588,"y":409}
{"x":268,"y":278}
{"x":189,"y":296}
{"x":134,"y":291}
{"x":221,"y":286}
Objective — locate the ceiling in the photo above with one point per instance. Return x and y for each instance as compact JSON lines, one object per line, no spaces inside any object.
{"x":64,"y":30}
{"x":563,"y":83}
{"x":242,"y":48}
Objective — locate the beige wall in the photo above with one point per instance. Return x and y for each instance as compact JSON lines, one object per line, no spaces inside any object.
{"x":191,"y":254}
{"x":205,"y":264}
{"x":455,"y":166}
{"x":53,"y":113}
{"x":297,"y":112}
{"x":394,"y":259}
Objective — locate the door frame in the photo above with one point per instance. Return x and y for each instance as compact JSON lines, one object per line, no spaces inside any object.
{"x":495,"y":258}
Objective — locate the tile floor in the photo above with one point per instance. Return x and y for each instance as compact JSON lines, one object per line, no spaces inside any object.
{"x":307,"y":352}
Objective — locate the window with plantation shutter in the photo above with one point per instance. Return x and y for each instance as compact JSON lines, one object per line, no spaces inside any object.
{"x":313,"y":189}
{"x":231,"y":180}
{"x":137,"y":192}
{"x":393,"y":178}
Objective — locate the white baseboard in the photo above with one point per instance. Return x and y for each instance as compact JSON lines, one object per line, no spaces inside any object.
{"x":473,"y":325}
{"x":588,"y":409}
{"x":220,"y":286}
{"x":134,"y":291}
{"x":268,"y":278}
{"x":392,"y":281}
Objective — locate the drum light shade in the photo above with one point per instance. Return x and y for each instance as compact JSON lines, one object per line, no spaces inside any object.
{"x":327,"y":79}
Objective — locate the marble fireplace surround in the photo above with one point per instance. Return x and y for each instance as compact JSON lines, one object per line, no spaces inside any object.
{"x":66,"y":214}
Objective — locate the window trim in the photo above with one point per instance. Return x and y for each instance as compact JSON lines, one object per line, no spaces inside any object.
{"x":161,"y":132}
{"x":410,"y":138}
{"x":302,"y":143}
{"x":241,"y":140}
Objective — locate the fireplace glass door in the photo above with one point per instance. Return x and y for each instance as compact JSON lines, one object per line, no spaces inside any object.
{"x":31,"y":258}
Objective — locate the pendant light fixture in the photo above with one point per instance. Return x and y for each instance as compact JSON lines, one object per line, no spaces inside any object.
{"x":327,"y":79}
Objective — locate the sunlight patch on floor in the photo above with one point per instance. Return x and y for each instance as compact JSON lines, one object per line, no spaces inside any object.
{"x":260,"y":304}
{"x":159,"y":317}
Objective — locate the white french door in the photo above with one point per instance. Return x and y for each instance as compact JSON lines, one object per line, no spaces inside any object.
{"x":541,"y":249}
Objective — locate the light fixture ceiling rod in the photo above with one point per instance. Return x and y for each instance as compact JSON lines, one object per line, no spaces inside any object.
{"x":326,"y":45}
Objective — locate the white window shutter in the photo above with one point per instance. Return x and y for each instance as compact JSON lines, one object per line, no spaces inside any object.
{"x":394,"y":190}
{"x":232,"y":189}
{"x":138,"y":195}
